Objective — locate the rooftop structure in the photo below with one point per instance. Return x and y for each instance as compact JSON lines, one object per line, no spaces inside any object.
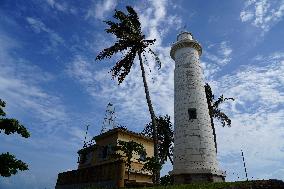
{"x":97,"y":167}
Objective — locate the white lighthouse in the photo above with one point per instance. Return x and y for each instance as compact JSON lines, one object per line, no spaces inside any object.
{"x":194,"y":150}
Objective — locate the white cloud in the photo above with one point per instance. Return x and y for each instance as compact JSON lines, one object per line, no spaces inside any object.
{"x":156,"y":21}
{"x":62,"y":7}
{"x":43,"y":114}
{"x":21,"y":88}
{"x":38,"y":26}
{"x":99,"y":9}
{"x":246,"y":16}
{"x":209,"y":69}
{"x":128,"y":97}
{"x":216,"y":55}
{"x":225,"y":49}
{"x":257,"y":116}
{"x":263,"y":13}
{"x":19,"y":85}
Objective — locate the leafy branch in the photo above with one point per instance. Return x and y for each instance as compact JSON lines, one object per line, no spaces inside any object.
{"x":165,"y":137}
{"x":9,"y":165}
{"x":128,"y":148}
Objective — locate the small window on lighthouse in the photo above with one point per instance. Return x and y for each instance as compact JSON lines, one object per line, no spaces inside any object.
{"x":192,"y":113}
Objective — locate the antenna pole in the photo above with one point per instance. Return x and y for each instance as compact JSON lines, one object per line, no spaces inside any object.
{"x":85,"y":145}
{"x":244,"y":165}
{"x":109,"y":120}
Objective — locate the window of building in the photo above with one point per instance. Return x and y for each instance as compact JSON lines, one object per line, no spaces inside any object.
{"x":89,"y":158}
{"x":143,"y":156}
{"x":192,"y":113}
{"x":82,"y":158}
{"x":104,"y":152}
{"x":110,"y":149}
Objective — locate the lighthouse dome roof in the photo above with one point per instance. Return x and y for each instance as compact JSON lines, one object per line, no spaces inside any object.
{"x":185,"y":39}
{"x":184,"y":35}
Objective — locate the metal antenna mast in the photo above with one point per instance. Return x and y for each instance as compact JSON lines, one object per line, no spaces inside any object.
{"x":85,"y":143}
{"x":244,"y":165}
{"x":109,"y":120}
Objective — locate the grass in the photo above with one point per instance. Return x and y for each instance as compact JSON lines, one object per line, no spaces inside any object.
{"x":216,"y":185}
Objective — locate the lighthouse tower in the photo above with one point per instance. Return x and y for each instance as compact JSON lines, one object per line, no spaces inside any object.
{"x":194,"y":150}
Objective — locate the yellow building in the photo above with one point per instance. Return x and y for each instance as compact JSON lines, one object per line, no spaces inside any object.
{"x":98,"y":167}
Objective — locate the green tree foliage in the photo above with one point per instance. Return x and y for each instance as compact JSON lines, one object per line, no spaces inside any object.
{"x":10,"y":126}
{"x":2,"y":105}
{"x":165,"y":137}
{"x":152,"y":165}
{"x":130,"y":42}
{"x":167,"y":180}
{"x":128,"y":148}
{"x":9,"y":165}
{"x":214,"y":110}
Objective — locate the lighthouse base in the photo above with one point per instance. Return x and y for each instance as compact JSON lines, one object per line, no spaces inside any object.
{"x":197,"y":177}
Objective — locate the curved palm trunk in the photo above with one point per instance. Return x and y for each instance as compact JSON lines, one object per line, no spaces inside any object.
{"x":156,"y":174}
{"x":213,"y":127}
{"x":209,"y":103}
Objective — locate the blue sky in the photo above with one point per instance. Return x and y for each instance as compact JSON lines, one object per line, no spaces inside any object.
{"x":53,"y":85}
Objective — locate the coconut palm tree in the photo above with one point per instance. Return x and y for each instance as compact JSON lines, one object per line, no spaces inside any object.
{"x":132,"y":42}
{"x":214,"y":110}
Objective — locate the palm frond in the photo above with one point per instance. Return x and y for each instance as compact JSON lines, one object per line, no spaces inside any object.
{"x":148,"y":41}
{"x":225,"y":120}
{"x":134,"y":19}
{"x":111,"y":24}
{"x":123,"y":66}
{"x":220,"y":100}
{"x":115,"y":29}
{"x":119,"y":46}
{"x":119,"y":31}
{"x":128,"y":23}
{"x":119,"y":15}
{"x":122,"y":30}
{"x":132,"y":13}
{"x":157,"y":59}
